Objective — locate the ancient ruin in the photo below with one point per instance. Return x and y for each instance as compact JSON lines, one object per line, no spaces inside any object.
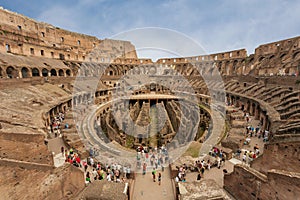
{"x":46,"y":71}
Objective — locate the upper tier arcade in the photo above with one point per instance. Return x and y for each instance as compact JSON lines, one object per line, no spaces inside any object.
{"x":25,"y":36}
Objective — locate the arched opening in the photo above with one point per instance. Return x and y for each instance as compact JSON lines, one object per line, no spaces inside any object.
{"x":140,"y":138}
{"x":11,"y":72}
{"x":1,"y":72}
{"x":35,"y":72}
{"x":227,"y":68}
{"x":261,"y":58}
{"x":271,"y":57}
{"x":235,"y":66}
{"x":68,"y":72}
{"x":61,"y":72}
{"x":25,"y":72}
{"x":296,"y":55}
{"x":45,"y":72}
{"x":53,"y":72}
{"x":282,"y":56}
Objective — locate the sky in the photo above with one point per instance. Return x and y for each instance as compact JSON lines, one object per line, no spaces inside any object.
{"x":215,"y":25}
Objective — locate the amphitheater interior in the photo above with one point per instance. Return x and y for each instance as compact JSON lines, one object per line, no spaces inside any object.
{"x":114,"y":100}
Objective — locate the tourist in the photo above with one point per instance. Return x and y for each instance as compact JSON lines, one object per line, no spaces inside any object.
{"x":198,"y":177}
{"x":91,"y":161}
{"x":159,"y":178}
{"x":88,"y":178}
{"x":85,"y":165}
{"x":153,"y":174}
{"x":223,"y":161}
{"x":62,"y":149}
{"x":244,"y":157}
{"x":117,"y":175}
{"x":108,"y":177}
{"x":218,"y":162}
{"x":202,"y":170}
{"x":128,"y":172}
{"x":144,"y":168}
{"x":208,"y":164}
{"x":95,"y":174}
{"x":124,"y":171}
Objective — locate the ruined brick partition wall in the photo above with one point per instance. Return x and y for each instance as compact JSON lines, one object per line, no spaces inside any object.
{"x":246,"y":184}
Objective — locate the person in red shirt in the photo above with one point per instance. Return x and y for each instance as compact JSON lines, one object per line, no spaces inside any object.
{"x":78,"y":160}
{"x":85,"y":166}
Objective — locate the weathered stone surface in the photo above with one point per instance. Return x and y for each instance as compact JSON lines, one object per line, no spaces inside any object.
{"x":202,"y":190}
{"x":102,"y":190}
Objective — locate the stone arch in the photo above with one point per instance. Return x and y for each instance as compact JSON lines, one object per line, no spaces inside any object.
{"x":79,"y":98}
{"x":296,"y":55}
{"x":251,"y":60}
{"x":61,"y":72}
{"x":142,"y":70}
{"x":282,"y":56}
{"x":227,"y":68}
{"x":272,"y":57}
{"x":35,"y":72}
{"x":137,"y":70}
{"x":53,"y":72}
{"x":1,"y":72}
{"x":11,"y":72}
{"x":261,"y":58}
{"x":25,"y":72}
{"x":235,"y":66}
{"x":68,"y":72}
{"x":112,"y":70}
{"x":45,"y":72}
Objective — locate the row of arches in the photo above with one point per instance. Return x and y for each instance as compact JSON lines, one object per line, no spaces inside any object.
{"x":25,"y":72}
{"x":253,"y":107}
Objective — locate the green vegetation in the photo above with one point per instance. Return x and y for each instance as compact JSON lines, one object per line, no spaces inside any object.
{"x":226,"y":130}
{"x":129,"y":141}
{"x":193,"y":149}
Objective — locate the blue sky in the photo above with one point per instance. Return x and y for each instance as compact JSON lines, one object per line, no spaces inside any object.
{"x":218,"y":25}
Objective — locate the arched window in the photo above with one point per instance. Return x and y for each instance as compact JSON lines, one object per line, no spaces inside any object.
{"x":53,"y":72}
{"x":25,"y":72}
{"x":45,"y":72}
{"x":61,"y":72}
{"x":68,"y":72}
{"x":35,"y":72}
{"x":11,"y":72}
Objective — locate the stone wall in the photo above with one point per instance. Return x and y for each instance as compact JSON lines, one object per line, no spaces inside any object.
{"x":25,"y":147}
{"x":281,"y":156}
{"x":247,"y":183}
{"x":25,"y":36}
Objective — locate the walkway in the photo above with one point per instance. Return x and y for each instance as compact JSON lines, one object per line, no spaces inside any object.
{"x":54,"y":145}
{"x":146,"y":189}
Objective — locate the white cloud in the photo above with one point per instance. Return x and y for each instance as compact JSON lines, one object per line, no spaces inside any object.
{"x":217,"y":25}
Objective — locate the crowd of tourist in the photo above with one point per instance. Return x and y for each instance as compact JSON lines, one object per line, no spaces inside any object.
{"x":113,"y":172}
{"x":215,"y":159}
{"x":151,"y":157}
{"x":56,"y":124}
{"x":95,"y":170}
{"x":248,"y":154}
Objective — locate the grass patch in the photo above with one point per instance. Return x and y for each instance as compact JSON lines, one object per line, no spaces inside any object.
{"x":193,"y":150}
